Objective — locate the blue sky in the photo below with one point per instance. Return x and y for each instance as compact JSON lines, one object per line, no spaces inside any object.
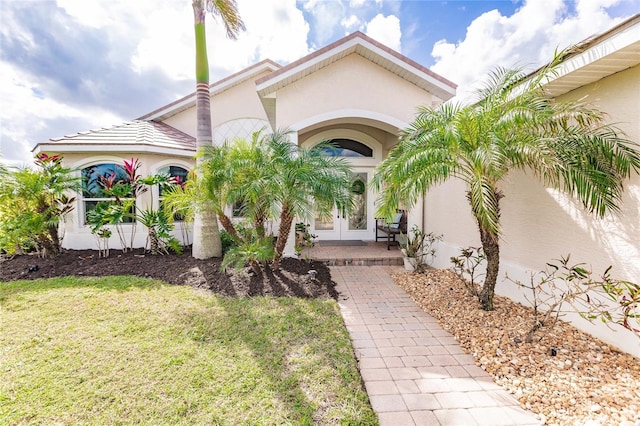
{"x":72,"y":65}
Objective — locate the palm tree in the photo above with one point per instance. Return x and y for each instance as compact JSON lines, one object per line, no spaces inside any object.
{"x":514,"y":125}
{"x":305,"y":183}
{"x":206,"y":235}
{"x":33,"y":203}
{"x":271,"y":177}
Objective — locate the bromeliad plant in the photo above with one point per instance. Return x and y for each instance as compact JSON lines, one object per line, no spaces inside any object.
{"x":159,"y":222}
{"x":420,"y":247}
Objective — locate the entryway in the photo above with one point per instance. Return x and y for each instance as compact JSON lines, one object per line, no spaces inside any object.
{"x":353,"y":226}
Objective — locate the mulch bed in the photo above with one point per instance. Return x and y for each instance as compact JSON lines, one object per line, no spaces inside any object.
{"x":292,"y":280}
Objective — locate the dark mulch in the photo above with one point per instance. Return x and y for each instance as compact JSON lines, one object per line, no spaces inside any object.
{"x":292,"y":280}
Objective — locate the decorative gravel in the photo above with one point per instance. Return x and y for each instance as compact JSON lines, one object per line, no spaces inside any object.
{"x":566,"y":376}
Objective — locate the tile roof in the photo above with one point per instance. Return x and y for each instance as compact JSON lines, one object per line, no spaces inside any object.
{"x":137,"y":132}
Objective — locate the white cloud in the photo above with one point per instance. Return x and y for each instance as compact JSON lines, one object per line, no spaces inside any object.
{"x":386,"y":30}
{"x":351,"y":23}
{"x":274,"y":30}
{"x":326,"y":16}
{"x":527,"y":38}
{"x":167,"y":43}
{"x":31,"y":113}
{"x":164,"y":28}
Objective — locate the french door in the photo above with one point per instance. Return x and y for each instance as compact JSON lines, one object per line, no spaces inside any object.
{"x":356,"y":225}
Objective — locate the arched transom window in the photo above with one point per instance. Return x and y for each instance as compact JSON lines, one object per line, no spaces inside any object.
{"x":349,"y":148}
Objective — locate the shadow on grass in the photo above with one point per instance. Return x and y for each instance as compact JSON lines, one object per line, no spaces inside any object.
{"x":296,"y":344}
{"x":111,"y":283}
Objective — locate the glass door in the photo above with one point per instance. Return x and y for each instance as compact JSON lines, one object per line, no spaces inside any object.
{"x":357,"y":224}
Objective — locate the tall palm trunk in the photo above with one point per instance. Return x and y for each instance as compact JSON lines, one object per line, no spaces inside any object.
{"x":206,"y":234}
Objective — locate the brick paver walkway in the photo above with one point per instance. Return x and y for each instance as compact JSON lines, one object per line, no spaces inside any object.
{"x":414,"y":371}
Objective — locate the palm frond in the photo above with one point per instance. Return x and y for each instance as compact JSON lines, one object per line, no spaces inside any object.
{"x":227,"y":11}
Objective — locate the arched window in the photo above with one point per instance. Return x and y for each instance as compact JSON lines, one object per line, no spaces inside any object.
{"x":180,"y":176}
{"x":104,"y":183}
{"x":349,"y":148}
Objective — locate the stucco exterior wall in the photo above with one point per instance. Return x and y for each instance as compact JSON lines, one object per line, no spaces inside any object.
{"x":351,"y":83}
{"x":541,"y":224}
{"x":238,"y":102}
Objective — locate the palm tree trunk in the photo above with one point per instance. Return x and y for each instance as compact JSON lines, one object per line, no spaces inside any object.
{"x":258,"y":223}
{"x":286,"y":219}
{"x":228,"y":226}
{"x":209,"y":244}
{"x":153,"y":241}
{"x":206,"y":235}
{"x":55,"y":239}
{"x":492,"y":251}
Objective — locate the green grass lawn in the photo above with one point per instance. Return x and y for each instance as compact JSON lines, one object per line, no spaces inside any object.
{"x":122,"y":350}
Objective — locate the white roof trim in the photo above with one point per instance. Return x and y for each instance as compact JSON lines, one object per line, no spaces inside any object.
{"x":356,"y":44}
{"x":392,"y":124}
{"x":215,"y":89}
{"x":615,"y":52}
{"x":111,"y":148}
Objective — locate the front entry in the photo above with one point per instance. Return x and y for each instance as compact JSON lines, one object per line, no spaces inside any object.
{"x":354,"y":226}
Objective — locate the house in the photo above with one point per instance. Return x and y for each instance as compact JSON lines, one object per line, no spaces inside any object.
{"x":355,"y":92}
{"x":541,"y":224}
{"x":360,"y":94}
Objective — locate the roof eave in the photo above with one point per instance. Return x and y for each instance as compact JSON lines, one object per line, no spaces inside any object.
{"x":218,"y":87}
{"x":66,"y":148}
{"x":364,"y":46}
{"x":604,"y":55}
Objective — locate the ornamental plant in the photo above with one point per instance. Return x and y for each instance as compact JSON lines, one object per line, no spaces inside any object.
{"x":513,"y":124}
{"x":565,"y":287}
{"x":33,"y":203}
{"x":159,"y":223}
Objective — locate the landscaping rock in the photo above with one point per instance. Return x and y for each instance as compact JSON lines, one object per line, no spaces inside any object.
{"x":586,"y":382}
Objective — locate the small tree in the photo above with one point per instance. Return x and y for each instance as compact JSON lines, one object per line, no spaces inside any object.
{"x":305,"y":182}
{"x":513,"y":125}
{"x":270,"y":177}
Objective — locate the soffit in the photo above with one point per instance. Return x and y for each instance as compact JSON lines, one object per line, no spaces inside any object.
{"x":607,"y":54}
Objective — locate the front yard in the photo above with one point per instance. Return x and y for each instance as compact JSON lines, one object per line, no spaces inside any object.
{"x":120,"y":350}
